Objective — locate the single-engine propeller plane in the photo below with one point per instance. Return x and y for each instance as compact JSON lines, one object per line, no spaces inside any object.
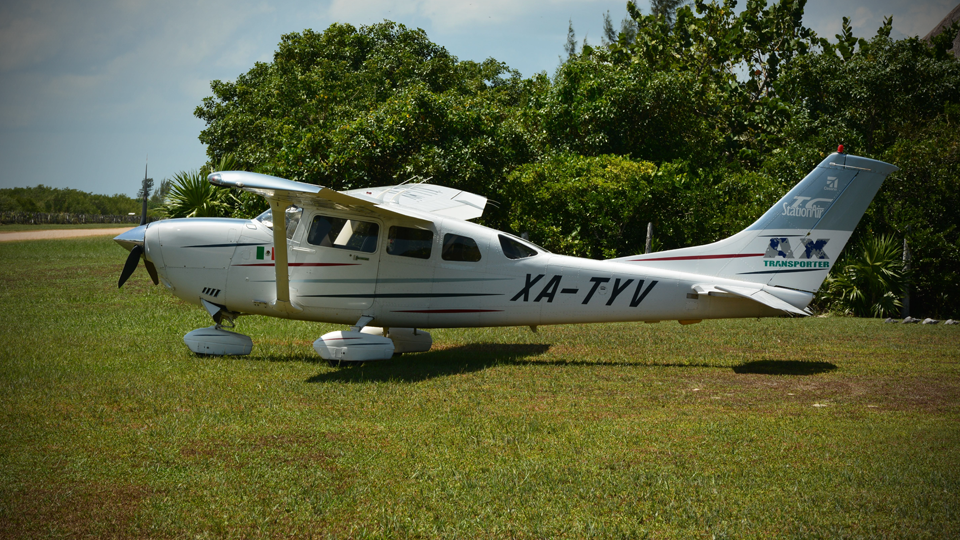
{"x":389,"y":261}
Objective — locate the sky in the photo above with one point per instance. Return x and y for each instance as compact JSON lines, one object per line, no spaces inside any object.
{"x":89,"y":91}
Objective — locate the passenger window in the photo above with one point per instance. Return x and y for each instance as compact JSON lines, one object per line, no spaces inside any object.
{"x":460,"y":248}
{"x":514,"y":249}
{"x":408,"y":242}
{"x":327,"y":231}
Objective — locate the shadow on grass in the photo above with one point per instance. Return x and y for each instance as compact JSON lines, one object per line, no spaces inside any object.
{"x":477,"y":357}
{"x":784,"y":367}
{"x":429,"y":365}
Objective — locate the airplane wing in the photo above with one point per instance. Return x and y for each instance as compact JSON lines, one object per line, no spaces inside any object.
{"x":277,"y":189}
{"x":407,"y":200}
{"x":439,"y":200}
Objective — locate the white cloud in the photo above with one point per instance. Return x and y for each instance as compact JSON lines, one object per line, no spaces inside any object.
{"x":446,"y":16}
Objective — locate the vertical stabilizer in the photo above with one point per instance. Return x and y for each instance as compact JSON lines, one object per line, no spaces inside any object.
{"x":796,"y":242}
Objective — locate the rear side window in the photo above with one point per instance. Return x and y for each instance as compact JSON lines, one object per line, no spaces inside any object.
{"x":460,"y":248}
{"x":408,"y":242}
{"x":514,"y":249}
{"x":327,"y":231}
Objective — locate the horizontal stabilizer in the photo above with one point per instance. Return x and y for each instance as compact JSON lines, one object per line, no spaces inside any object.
{"x":763,"y":297}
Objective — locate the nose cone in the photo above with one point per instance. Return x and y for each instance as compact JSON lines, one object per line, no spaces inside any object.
{"x":133,"y":237}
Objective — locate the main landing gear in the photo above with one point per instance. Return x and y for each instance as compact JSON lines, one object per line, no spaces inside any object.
{"x":362,"y":343}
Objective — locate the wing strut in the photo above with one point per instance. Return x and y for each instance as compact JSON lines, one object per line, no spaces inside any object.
{"x":278,"y":208}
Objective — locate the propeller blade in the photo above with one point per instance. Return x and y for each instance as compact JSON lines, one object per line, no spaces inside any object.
{"x":152,"y":270}
{"x":128,"y":267}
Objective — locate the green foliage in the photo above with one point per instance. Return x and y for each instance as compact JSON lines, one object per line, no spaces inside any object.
{"x":193,"y":196}
{"x":920,"y":203}
{"x":65,"y":200}
{"x":595,"y":107}
{"x":587,"y":207}
{"x":870,"y":281}
{"x":870,"y":98}
{"x":666,"y":9}
{"x":599,"y":207}
{"x":351,"y":107}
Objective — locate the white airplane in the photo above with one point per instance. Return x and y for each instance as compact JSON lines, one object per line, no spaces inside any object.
{"x":391,"y":260}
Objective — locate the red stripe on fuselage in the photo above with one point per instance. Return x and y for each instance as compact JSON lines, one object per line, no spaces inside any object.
{"x":701,"y":257}
{"x":300,"y":264}
{"x":448,"y":311}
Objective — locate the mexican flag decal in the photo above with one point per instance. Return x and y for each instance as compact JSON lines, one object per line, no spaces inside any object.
{"x":263,"y":253}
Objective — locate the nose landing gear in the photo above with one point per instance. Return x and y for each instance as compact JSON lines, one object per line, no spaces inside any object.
{"x":214,"y":340}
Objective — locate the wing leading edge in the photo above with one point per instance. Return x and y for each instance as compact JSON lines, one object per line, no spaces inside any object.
{"x":408,"y":200}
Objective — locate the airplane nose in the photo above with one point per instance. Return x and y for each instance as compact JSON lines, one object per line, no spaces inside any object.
{"x":131,"y":238}
{"x":133,"y":241}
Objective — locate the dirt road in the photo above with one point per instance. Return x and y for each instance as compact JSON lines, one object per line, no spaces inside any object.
{"x":58,"y":233}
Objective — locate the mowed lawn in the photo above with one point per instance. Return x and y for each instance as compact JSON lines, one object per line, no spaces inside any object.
{"x":819,"y":427}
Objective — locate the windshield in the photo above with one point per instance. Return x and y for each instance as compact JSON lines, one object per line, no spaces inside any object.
{"x":292,"y":216}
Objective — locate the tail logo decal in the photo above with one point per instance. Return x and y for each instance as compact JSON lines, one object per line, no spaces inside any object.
{"x":779,"y":247}
{"x":808,"y":210}
{"x":812,"y":249}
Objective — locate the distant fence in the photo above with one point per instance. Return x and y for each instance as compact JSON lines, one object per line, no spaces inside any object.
{"x":36,"y":218}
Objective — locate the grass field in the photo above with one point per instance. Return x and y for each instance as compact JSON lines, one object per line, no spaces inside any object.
{"x":821,"y":427}
{"x":19,"y":227}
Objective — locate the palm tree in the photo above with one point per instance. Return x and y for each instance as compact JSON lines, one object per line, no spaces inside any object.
{"x":869,"y":285}
{"x":193,"y":196}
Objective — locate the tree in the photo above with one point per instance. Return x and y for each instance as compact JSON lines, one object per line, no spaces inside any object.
{"x":377,"y":105}
{"x":626,"y":34}
{"x":599,"y":206}
{"x":570,"y":47}
{"x":160,"y":194}
{"x":146,"y":185}
{"x":65,"y":200}
{"x":666,"y":9}
{"x":609,"y":34}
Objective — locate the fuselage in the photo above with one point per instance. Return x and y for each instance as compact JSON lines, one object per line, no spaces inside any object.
{"x":446,"y":273}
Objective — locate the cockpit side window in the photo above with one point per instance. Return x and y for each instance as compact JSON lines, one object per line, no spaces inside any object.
{"x":352,"y":234}
{"x":515,"y":249}
{"x":460,"y":248}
